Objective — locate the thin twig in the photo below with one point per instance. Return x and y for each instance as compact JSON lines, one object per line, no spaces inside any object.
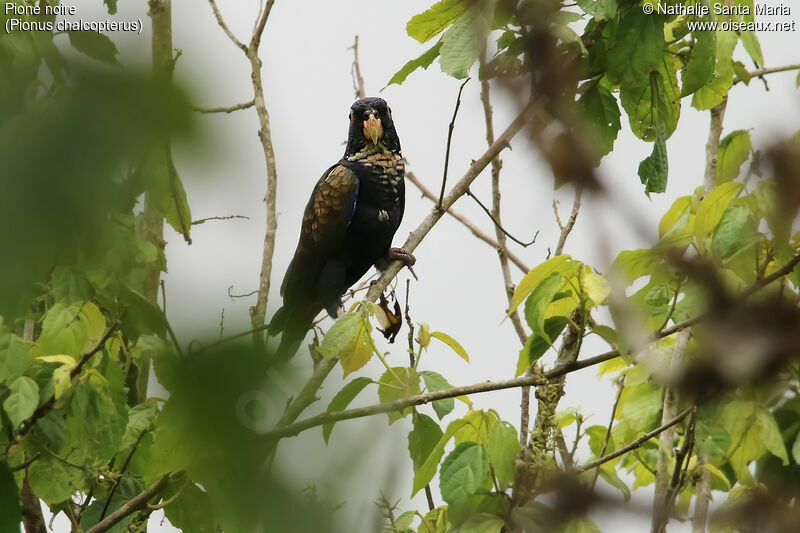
{"x":355,"y":72}
{"x":758,"y":73}
{"x":122,"y":473}
{"x":458,"y":190}
{"x":635,"y":444}
{"x":228,"y":109}
{"x":610,"y":424}
{"x":410,"y":326}
{"x":449,"y":140}
{"x":226,"y":217}
{"x":498,"y":225}
{"x":467,"y":223}
{"x":567,"y":228}
{"x":225,"y":28}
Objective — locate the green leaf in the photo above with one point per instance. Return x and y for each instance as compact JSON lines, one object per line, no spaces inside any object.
{"x":423,"y":62}
{"x":11,"y":517}
{"x":717,"y":473}
{"x":700,"y":68}
{"x":395,"y":384}
{"x":710,"y":210}
{"x":599,"y":9}
{"x":609,"y":475}
{"x":479,"y":422}
{"x":71,"y":329}
{"x":734,"y":149}
{"x":770,"y":435}
{"x":595,"y":286}
{"x":538,"y":301}
{"x":97,"y":415}
{"x":716,"y":89}
{"x":560,"y":263}
{"x":582,"y":524}
{"x":434,"y":382}
{"x":503,"y":447}
{"x":638,"y":48}
{"x":424,"y":474}
{"x":95,"y":45}
{"x":423,"y":439}
{"x":463,"y":472}
{"x":654,"y":99}
{"x":165,"y":184}
{"x":15,"y":357}
{"x":140,"y":419}
{"x":712,"y":439}
{"x":464,"y":42}
{"x":600,"y":113}
{"x":735,"y":232}
{"x":69,"y":285}
{"x":430,"y":23}
{"x":424,"y":335}
{"x":752,"y":46}
{"x":482,"y":523}
{"x":653,"y":169}
{"x":22,"y":401}
{"x":674,"y":215}
{"x":796,"y":449}
{"x":536,"y":345}
{"x":641,"y":408}
{"x":342,"y":400}
{"x":452,"y":343}
{"x":349,"y":339}
{"x":54,"y":481}
{"x":192,"y":511}
{"x":112,"y":6}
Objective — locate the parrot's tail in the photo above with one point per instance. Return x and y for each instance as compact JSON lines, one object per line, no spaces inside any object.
{"x":293,"y":322}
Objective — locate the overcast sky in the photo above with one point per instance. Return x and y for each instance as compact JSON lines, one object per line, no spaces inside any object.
{"x":308,"y":91}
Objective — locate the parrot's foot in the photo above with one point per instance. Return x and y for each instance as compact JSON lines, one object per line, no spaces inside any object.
{"x":398,"y":254}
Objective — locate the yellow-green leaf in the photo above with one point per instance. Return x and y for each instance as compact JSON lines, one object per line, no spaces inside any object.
{"x":561,"y":263}
{"x":452,"y":343}
{"x":711,"y":209}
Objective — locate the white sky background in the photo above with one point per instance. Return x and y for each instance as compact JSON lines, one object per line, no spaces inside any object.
{"x":308,"y":91}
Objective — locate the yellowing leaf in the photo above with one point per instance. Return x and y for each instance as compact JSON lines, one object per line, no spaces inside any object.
{"x":61,"y":359}
{"x":424,"y":335}
{"x":595,"y":286}
{"x":452,"y":343}
{"x":560,"y":263}
{"x":733,"y":151}
{"x":717,"y":473}
{"x":673,"y":215}
{"x":711,"y":209}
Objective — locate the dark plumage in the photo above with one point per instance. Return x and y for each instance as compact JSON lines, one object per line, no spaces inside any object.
{"x":348,"y":224}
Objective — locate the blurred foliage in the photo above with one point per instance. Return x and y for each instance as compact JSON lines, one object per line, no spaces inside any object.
{"x":79,"y":147}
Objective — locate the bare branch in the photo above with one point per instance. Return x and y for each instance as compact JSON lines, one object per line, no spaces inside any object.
{"x":427,"y":397}
{"x":566,"y":229}
{"x":226,"y":217}
{"x":635,"y":444}
{"x":355,"y":71}
{"x":261,"y":21}
{"x":621,"y":384}
{"x":449,"y":139}
{"x":758,"y":73}
{"x":703,"y":494}
{"x":229,"y":109}
{"x":467,"y":222}
{"x":458,"y":190}
{"x":498,"y":225}
{"x":225,"y":27}
{"x":712,"y":146}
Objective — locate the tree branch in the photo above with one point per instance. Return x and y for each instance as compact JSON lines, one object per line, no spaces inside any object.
{"x":566,"y":229}
{"x":355,"y":71}
{"x":449,"y":139}
{"x":427,"y":397}
{"x":458,"y":190}
{"x":229,"y":109}
{"x":225,"y":28}
{"x":136,"y":503}
{"x":226,"y":217}
{"x":497,"y":223}
{"x":467,"y":222}
{"x":764,"y":71}
{"x":712,"y":146}
{"x":635,"y":444}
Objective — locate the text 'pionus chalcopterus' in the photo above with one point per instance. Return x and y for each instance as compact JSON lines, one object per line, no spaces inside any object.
{"x":348,"y":224}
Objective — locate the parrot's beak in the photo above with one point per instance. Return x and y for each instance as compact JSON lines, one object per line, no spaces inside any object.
{"x":373,"y":130}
